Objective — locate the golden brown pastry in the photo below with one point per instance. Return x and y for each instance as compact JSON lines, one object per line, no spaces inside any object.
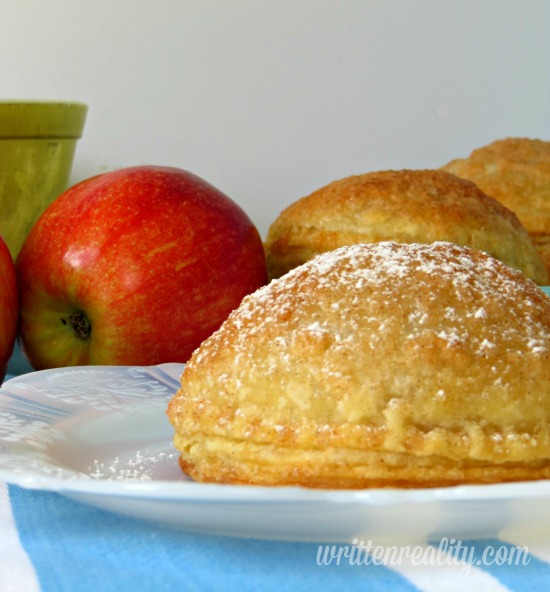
{"x":402,"y":206}
{"x":516,"y":172}
{"x":381,"y":365}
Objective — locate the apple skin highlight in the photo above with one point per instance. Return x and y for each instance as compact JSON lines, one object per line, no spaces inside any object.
{"x":147,"y":260}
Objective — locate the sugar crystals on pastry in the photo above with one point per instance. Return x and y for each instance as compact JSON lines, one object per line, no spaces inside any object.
{"x":374,"y":365}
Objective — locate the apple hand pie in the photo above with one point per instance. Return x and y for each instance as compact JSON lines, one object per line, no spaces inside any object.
{"x":379,"y":365}
{"x":516,"y":172}
{"x":407,"y":206}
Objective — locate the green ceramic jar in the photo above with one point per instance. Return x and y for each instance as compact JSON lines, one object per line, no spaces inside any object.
{"x":37,"y":146}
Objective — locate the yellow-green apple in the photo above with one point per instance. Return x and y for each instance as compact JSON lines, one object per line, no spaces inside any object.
{"x":8,"y":307}
{"x":135,"y":266}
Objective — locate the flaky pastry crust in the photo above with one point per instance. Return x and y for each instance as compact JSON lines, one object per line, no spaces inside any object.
{"x":380,"y":365}
{"x":516,"y":172}
{"x":407,"y":206}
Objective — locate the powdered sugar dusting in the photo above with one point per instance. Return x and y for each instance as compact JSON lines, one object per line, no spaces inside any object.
{"x":449,"y":292}
{"x":140,"y":467}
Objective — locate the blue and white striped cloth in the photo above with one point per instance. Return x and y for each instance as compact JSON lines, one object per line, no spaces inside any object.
{"x":49,"y":543}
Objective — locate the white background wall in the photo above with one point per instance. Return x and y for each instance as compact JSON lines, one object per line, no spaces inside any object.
{"x":271,"y":99}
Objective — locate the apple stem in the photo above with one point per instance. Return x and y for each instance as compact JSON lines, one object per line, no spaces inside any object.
{"x":80,"y":323}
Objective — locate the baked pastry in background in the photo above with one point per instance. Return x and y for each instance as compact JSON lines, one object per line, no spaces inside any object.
{"x":516,"y":172}
{"x":406,"y":206}
{"x":380,"y":365}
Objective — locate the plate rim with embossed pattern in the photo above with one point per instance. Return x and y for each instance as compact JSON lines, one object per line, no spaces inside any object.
{"x":61,"y":430}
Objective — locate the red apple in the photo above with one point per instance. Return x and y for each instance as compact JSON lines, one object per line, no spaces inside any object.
{"x":8,"y":307}
{"x":136,"y":266}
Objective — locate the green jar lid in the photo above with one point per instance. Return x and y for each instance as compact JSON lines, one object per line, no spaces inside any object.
{"x":41,"y":119}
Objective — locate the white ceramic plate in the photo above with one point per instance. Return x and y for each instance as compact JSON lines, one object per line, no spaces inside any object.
{"x":100,"y":436}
